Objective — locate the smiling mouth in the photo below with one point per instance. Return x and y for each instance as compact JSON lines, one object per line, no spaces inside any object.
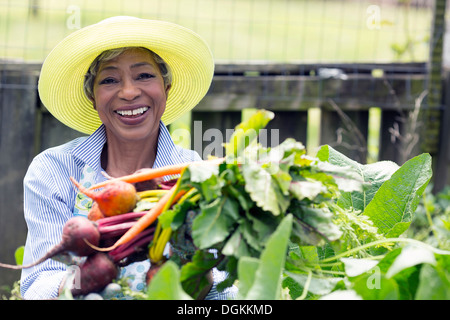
{"x":132,"y":113}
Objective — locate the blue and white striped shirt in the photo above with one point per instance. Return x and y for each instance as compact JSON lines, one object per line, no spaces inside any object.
{"x":49,"y":199}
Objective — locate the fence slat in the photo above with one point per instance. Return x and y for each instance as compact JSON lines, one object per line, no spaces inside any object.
{"x":352,"y":92}
{"x":347,"y":132}
{"x":17,"y":123}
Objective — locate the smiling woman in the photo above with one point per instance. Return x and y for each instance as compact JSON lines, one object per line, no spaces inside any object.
{"x":110,"y":80}
{"x":130,"y":96}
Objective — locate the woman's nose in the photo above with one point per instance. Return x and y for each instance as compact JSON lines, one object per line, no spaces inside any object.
{"x":128,"y":90}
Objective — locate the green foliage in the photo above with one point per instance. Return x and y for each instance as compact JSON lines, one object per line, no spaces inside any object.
{"x":264,"y":275}
{"x":341,"y":238}
{"x":166,"y":284}
{"x":288,"y":226}
{"x":392,"y":207}
{"x":18,"y":255}
{"x":431,"y":222}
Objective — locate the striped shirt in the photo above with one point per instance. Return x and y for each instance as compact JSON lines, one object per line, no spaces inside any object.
{"x":49,"y":200}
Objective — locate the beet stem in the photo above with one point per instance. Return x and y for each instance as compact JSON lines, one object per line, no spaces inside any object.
{"x":145,"y":233}
{"x":108,"y":221}
{"x":126,"y":250}
{"x":109,"y":231}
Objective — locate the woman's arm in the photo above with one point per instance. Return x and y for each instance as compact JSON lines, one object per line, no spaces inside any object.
{"x":46,"y":209}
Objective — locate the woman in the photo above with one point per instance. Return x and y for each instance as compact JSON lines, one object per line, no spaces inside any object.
{"x":120,"y":81}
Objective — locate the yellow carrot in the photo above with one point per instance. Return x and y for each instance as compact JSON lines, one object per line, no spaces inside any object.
{"x":152,"y":193}
{"x":157,"y":250}
{"x":150,"y":199}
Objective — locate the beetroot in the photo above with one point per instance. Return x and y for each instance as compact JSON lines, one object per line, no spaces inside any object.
{"x":116,"y":198}
{"x":76,"y":233}
{"x":94,"y":274}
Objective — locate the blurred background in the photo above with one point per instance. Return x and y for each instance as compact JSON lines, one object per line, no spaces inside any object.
{"x":368,"y":78}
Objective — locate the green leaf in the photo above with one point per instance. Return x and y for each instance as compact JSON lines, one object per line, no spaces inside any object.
{"x":371,"y":175}
{"x":314,"y":225}
{"x":246,"y":132}
{"x":267,"y":279}
{"x":18,"y":255}
{"x":193,"y":273}
{"x":307,"y":189}
{"x":434,"y":283}
{"x":214,"y":222}
{"x":411,"y":256}
{"x":356,"y":267}
{"x":317,"y":285}
{"x":205,"y":178}
{"x":247,"y":268}
{"x":166,"y":284}
{"x":236,"y":246}
{"x":259,"y":185}
{"x":392,"y":207}
{"x":202,"y":172}
{"x":375,"y":286}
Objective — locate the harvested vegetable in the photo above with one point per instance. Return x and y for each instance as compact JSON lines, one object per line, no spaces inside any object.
{"x":116,"y":198}
{"x":153,"y":173}
{"x":95,"y":274}
{"x":146,"y":220}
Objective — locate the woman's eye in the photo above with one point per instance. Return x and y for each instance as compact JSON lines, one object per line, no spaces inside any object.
{"x":144,"y":76}
{"x":108,"y":81}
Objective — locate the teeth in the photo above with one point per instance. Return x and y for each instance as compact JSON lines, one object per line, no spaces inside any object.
{"x":134,"y":112}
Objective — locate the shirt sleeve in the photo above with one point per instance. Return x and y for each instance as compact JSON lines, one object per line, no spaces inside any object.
{"x":46,"y":210}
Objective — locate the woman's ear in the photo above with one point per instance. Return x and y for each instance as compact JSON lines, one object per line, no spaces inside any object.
{"x":93,"y":102}
{"x":167,"y":90}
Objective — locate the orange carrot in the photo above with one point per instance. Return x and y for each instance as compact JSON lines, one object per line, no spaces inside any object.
{"x":154,"y":173}
{"x":150,"y":217}
{"x":144,"y":175}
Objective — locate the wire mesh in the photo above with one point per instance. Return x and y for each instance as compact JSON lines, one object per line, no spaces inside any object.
{"x":240,"y":30}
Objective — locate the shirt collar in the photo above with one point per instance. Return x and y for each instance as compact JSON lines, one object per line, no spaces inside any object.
{"x":89,"y":151}
{"x":167,"y":153}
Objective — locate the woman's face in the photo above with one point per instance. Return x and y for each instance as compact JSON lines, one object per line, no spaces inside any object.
{"x":129,"y":95}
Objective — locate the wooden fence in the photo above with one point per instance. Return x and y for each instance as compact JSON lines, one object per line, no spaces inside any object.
{"x":345,"y":94}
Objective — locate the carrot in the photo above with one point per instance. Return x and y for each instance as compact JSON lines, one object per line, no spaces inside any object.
{"x":144,"y":175}
{"x":146,"y":220}
{"x":150,"y":174}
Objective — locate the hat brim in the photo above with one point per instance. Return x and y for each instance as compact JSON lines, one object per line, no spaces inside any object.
{"x":62,"y":74}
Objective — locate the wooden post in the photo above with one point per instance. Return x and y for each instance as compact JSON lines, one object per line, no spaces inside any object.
{"x":442,"y":168}
{"x":431,"y":116}
{"x":18,"y":96}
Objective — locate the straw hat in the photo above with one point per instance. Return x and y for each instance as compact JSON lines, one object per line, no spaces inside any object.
{"x":62,"y":75}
